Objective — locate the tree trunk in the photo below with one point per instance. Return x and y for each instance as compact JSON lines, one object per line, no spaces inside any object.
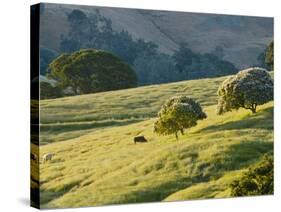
{"x":182,"y":132}
{"x":176,"y":134}
{"x":254,"y":108}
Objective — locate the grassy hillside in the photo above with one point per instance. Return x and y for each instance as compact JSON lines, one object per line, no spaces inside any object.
{"x":69,"y":117}
{"x":96,"y":161}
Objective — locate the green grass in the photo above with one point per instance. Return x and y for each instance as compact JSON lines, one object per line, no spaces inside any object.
{"x":69,"y":117}
{"x":97,"y":164}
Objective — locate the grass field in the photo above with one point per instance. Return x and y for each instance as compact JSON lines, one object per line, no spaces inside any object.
{"x":70,"y":117}
{"x":97,"y":163}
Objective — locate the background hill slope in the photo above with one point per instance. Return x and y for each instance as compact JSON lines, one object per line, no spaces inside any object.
{"x":242,"y":38}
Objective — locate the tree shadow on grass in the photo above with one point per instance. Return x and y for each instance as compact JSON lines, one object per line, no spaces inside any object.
{"x":47,"y":196}
{"x":66,"y":127}
{"x":159,"y":192}
{"x":261,"y":120}
{"x":237,"y":157}
{"x":241,"y":155}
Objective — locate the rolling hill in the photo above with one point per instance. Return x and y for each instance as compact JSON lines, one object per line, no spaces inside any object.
{"x":97,"y":163}
{"x":243,"y":38}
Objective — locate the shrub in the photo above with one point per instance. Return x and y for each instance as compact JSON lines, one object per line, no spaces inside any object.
{"x":266,"y":57}
{"x":177,"y":114}
{"x":269,"y":55}
{"x":47,"y":91}
{"x":247,"y":89}
{"x":90,"y":71}
{"x":196,"y":65}
{"x":256,"y":181}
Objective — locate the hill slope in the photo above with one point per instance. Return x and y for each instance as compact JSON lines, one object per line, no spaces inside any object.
{"x":67,"y":117}
{"x":101,"y":165}
{"x":242,"y":37}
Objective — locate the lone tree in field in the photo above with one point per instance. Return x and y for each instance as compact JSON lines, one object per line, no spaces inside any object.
{"x":178,"y":114}
{"x":90,"y":71}
{"x":247,"y":89}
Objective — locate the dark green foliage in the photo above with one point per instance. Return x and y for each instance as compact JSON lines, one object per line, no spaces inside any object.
{"x":48,"y":91}
{"x":266,"y":57}
{"x":80,"y":29}
{"x":218,"y":52}
{"x":269,"y":55}
{"x":256,"y":181}
{"x":177,"y":114}
{"x":95,"y":31}
{"x":46,"y":57}
{"x":90,"y":71}
{"x":197,"y":65}
{"x":69,"y":45}
{"x":216,"y":66}
{"x":77,"y":17}
{"x":121,"y":45}
{"x":183,"y":57}
{"x":247,"y":89}
{"x":158,"y":68}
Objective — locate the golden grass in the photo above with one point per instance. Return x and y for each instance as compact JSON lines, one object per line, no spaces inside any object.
{"x":106,"y":167}
{"x":97,"y":163}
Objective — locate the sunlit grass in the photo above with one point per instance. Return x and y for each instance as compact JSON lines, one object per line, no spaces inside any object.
{"x":117,"y":108}
{"x":97,"y":163}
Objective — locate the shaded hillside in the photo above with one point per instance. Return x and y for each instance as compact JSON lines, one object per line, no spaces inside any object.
{"x":242,"y":38}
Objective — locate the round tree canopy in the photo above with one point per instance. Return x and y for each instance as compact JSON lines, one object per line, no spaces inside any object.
{"x":177,"y":114}
{"x":247,"y":89}
{"x":90,"y":71}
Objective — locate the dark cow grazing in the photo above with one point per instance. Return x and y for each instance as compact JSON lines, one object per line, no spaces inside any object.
{"x":140,"y":139}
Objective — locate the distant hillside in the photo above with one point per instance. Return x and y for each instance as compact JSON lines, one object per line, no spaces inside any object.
{"x":242,"y":38}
